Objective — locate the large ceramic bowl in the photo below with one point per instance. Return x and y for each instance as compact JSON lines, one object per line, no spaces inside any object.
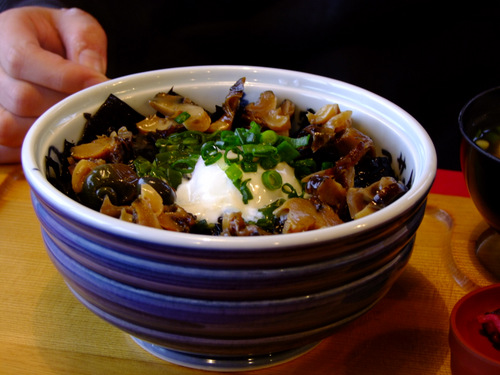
{"x":227,"y":302}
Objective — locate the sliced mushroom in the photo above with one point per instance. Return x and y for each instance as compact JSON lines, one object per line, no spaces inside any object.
{"x":303,"y":215}
{"x":327,"y":190}
{"x":109,"y":148}
{"x":364,"y":201}
{"x":268,"y":114}
{"x":326,"y":125}
{"x":229,"y":107}
{"x":233,"y":224}
{"x":99,"y":148}
{"x":155,"y":123}
{"x":151,"y":195}
{"x":330,"y":117}
{"x":144,"y":213}
{"x":175,"y":218}
{"x":172,"y":105}
{"x":81,"y":171}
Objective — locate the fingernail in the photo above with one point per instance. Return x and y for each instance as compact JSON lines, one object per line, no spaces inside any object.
{"x":92,"y":59}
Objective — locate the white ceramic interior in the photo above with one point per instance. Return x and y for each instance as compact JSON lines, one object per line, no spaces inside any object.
{"x":391,"y":128}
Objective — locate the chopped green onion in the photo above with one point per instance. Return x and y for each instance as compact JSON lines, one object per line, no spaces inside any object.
{"x":272,"y":179}
{"x":249,"y":136}
{"x":289,"y":190}
{"x":234,"y":173}
{"x":299,"y":142}
{"x":213,"y":159}
{"x":210,"y":153}
{"x":246,"y":194}
{"x":270,"y":161}
{"x":227,"y":140}
{"x":268,"y":221}
{"x":327,"y":165}
{"x":304,"y":167}
{"x":182,"y":117}
{"x":269,"y":137}
{"x":142,"y":166}
{"x":173,"y":177}
{"x":238,"y":155}
{"x":259,"y":150}
{"x":185,"y":165}
{"x":287,"y":152}
{"x":249,"y":166}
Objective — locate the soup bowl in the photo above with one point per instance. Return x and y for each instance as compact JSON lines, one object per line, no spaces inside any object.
{"x":480,"y":167}
{"x":230,"y":303}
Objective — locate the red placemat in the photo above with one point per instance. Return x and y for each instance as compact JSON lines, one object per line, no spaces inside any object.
{"x":450,"y":182}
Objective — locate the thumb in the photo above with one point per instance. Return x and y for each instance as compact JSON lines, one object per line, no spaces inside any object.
{"x":84,"y":39}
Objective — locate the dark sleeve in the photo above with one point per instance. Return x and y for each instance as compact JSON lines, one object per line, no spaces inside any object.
{"x":7,"y":4}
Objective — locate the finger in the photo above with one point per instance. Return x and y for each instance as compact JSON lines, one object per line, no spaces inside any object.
{"x":10,"y":155}
{"x":13,"y":128}
{"x":25,"y":99}
{"x":85,"y":43}
{"x":24,"y":58}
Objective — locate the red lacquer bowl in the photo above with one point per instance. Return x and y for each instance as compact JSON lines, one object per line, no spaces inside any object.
{"x":471,"y":351}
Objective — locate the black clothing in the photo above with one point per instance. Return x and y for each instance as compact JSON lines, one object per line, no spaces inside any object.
{"x":425,"y":56}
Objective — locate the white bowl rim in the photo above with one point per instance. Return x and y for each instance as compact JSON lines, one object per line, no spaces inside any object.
{"x":38,"y":182}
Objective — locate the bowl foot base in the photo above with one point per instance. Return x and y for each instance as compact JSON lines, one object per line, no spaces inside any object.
{"x":222,"y":363}
{"x":488,"y":251}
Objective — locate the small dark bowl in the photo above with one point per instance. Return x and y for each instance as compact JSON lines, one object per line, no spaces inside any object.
{"x":481,"y":169}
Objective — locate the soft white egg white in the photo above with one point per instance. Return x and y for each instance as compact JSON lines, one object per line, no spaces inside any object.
{"x":209,"y":193}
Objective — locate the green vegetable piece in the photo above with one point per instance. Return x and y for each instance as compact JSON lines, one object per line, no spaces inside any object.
{"x":268,"y":221}
{"x":269,"y":137}
{"x":182,"y":117}
{"x":289,"y":190}
{"x":234,"y":160}
{"x":246,"y":194}
{"x":249,"y":166}
{"x":259,"y":150}
{"x":234,"y":173}
{"x":248,"y":136}
{"x":270,"y":161}
{"x":272,"y":179}
{"x":210,"y":153}
{"x":287,"y":152}
{"x":185,"y":165}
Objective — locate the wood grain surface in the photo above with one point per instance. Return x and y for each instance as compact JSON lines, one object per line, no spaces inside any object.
{"x":45,"y":330}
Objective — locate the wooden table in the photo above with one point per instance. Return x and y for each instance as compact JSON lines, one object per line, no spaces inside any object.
{"x":45,"y":330}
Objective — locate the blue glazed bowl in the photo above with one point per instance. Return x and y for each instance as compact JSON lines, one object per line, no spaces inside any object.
{"x":230,"y":303}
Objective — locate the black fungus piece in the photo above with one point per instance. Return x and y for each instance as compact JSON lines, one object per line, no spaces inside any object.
{"x":166,"y":192}
{"x":371,"y":170}
{"x":144,"y":145}
{"x":116,"y":181}
{"x":113,"y":114}
{"x":57,"y":169}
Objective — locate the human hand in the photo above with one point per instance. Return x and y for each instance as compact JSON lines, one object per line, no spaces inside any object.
{"x":45,"y":55}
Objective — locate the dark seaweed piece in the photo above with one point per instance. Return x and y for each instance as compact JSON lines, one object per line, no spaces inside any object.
{"x":144,"y":145}
{"x":300,"y":122}
{"x":111,"y":116}
{"x":203,"y":227}
{"x":57,"y":171}
{"x":369,"y":171}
